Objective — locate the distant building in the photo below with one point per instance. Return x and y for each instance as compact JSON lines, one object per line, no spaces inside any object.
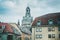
{"x":46,"y":27}
{"x":9,"y":32}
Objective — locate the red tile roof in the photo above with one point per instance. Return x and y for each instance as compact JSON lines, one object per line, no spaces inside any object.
{"x":7,"y":27}
{"x":44,"y":19}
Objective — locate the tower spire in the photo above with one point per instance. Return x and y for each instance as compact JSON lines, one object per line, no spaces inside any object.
{"x":27,"y":11}
{"x":18,"y":22}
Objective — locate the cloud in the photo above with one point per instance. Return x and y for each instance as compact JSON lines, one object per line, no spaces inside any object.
{"x":6,"y":6}
{"x":15,"y":9}
{"x":54,"y":3}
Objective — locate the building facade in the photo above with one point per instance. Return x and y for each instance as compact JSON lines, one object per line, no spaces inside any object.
{"x":46,"y":27}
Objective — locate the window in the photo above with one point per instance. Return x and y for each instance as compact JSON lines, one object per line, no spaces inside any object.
{"x":58,"y":28}
{"x":50,"y":22}
{"x":49,"y":35}
{"x":39,"y":36}
{"x":38,"y":23}
{"x":53,"y":35}
{"x":39,"y":29}
{"x":59,"y":35}
{"x":51,"y":28}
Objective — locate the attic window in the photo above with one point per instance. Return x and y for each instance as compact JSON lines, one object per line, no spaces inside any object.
{"x":50,"y":22}
{"x":38,"y":23}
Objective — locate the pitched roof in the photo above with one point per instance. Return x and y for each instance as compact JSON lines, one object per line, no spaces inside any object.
{"x":15,"y":28}
{"x":7,"y":27}
{"x":44,"y":19}
{"x":10,"y":28}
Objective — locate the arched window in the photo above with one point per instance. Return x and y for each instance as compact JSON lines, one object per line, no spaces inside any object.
{"x":50,"y":22}
{"x":38,"y":23}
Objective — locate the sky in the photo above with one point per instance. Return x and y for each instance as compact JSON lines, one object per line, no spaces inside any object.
{"x":12,"y":10}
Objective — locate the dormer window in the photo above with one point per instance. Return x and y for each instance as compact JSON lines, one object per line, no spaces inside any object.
{"x":50,"y":22}
{"x":38,"y":23}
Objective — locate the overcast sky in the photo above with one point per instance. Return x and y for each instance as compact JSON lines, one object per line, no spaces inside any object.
{"x":12,"y":10}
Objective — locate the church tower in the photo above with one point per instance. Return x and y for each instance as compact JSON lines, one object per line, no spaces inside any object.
{"x":27,"y":19}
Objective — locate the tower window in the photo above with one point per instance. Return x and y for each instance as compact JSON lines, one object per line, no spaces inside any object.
{"x":38,"y":23}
